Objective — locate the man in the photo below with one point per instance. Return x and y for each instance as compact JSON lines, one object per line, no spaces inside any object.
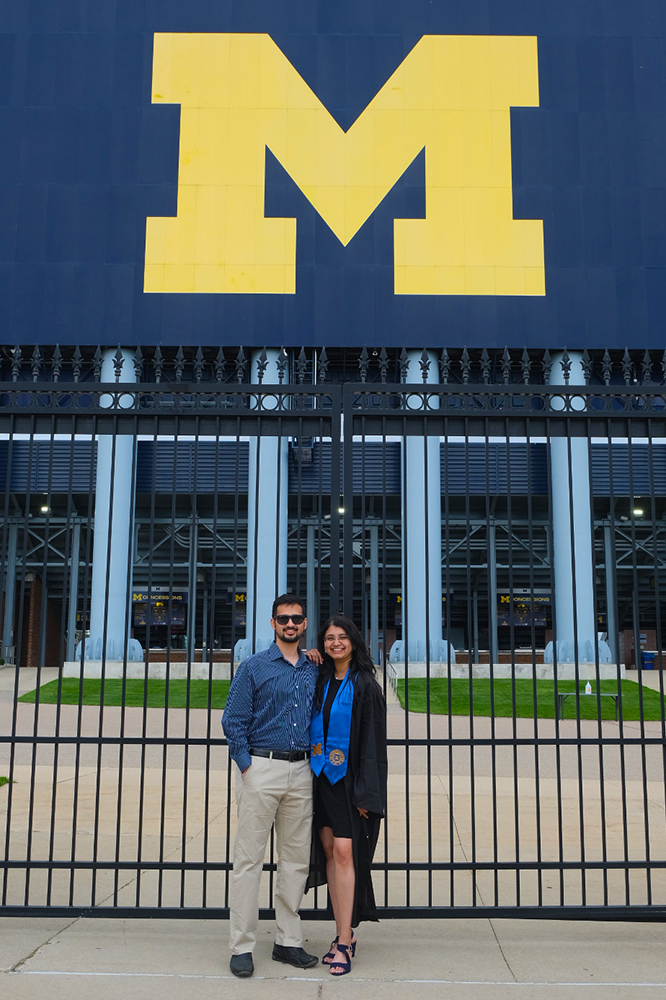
{"x":267,"y":724}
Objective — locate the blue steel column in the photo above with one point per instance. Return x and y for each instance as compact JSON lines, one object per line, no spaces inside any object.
{"x":266,"y":526}
{"x":422,"y":541}
{"x":112,"y":540}
{"x":575,"y":616}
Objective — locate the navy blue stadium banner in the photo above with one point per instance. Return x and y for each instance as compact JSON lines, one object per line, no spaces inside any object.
{"x":333,"y":172}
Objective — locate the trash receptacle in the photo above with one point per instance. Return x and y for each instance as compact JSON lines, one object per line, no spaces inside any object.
{"x":647,"y":660}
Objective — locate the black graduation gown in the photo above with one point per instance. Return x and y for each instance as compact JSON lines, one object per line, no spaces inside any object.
{"x":365,"y":784}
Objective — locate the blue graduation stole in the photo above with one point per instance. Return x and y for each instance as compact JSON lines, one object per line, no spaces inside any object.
{"x":332,"y":758}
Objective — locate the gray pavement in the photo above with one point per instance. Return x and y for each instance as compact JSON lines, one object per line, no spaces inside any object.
{"x":458,"y":959}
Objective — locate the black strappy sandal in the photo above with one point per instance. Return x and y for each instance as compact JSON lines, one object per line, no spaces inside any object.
{"x":345,"y":966}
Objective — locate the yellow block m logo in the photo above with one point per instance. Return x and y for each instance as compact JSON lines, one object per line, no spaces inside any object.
{"x":239,"y":94}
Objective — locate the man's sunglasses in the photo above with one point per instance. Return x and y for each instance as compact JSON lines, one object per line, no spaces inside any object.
{"x":285,"y":619}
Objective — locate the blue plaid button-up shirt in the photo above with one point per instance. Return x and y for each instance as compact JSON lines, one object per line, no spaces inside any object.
{"x":269,"y":705}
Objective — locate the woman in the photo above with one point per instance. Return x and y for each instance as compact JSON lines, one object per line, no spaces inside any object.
{"x":348,"y":757}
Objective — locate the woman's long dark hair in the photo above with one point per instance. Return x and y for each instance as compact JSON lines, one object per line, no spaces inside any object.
{"x":361,"y":661}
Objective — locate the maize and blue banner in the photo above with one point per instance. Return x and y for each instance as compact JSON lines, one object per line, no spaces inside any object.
{"x":333,"y":172}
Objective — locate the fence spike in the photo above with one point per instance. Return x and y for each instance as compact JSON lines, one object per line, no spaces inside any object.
{"x":282,"y":364}
{"x":118,"y":362}
{"x":262,"y":365}
{"x":565,"y":365}
{"x":220,"y":365}
{"x":56,"y":363}
{"x":158,"y":364}
{"x":383,"y":365}
{"x":485,"y":366}
{"x":17,"y":356}
{"x":465,"y":365}
{"x":444,"y":366}
{"x":322,"y":365}
{"x":97,"y":365}
{"x":404,"y":365}
{"x":506,"y":366}
{"x":138,"y":364}
{"x":77,"y":363}
{"x":363,"y":364}
{"x":241,"y":365}
{"x":199,"y":364}
{"x":36,"y":363}
{"x":301,"y":366}
{"x":627,"y":367}
{"x":179,"y":364}
{"x":424,"y":362}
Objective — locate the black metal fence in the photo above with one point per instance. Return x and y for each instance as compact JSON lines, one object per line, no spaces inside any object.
{"x":468,"y":527}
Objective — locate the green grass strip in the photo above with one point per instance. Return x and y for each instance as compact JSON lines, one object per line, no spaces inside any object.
{"x":503,"y":692}
{"x":153,"y":694}
{"x":132,"y":693}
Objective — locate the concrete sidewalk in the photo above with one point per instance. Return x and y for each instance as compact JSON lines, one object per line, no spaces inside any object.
{"x":410,"y":960}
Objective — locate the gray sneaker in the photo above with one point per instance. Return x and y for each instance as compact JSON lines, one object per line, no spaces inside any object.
{"x":242,"y":965}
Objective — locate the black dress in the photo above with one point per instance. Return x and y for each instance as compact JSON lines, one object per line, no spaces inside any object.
{"x":363,"y":785}
{"x":330,"y":801}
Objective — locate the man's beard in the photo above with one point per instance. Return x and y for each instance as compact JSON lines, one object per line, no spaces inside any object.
{"x":290,"y":638}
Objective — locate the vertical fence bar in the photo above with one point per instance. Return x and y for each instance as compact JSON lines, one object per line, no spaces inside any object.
{"x":530,"y":484}
{"x":38,"y":671}
{"x":431,"y":627}
{"x":146,"y":661}
{"x":341,"y":419}
{"x":558,"y":752}
{"x":621,"y":729}
{"x":61,"y":648}
{"x":127,"y":618}
{"x":347,"y":506}
{"x":512,"y":642}
{"x":656,"y":567}
{"x":384,"y":613}
{"x":639,"y":666}
{"x":578,"y":651}
{"x":232,"y":664}
{"x":490,"y":503}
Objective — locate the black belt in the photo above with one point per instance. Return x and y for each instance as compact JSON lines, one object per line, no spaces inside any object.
{"x":290,"y":755}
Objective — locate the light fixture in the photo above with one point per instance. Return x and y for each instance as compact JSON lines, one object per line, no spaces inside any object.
{"x":44,"y":509}
{"x":341,"y":510}
{"x":638,"y":512}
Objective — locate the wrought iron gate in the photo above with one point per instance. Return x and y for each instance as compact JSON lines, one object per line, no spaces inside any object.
{"x":514,"y":788}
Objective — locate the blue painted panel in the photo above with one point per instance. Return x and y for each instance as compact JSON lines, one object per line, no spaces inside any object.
{"x":86,"y":158}
{"x":189,"y":468}
{"x":472,"y":470}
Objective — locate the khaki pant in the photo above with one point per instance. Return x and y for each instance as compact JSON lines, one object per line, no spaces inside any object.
{"x":272,"y":791}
